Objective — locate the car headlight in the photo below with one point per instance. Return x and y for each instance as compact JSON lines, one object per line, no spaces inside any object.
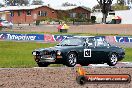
{"x":34,"y":53}
{"x":58,"y":52}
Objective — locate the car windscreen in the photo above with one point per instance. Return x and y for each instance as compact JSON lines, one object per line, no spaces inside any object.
{"x":72,"y":41}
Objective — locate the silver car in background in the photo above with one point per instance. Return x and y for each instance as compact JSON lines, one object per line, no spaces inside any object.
{"x":6,"y":24}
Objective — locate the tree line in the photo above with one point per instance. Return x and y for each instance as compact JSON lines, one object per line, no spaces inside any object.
{"x":23,"y":2}
{"x":106,"y":6}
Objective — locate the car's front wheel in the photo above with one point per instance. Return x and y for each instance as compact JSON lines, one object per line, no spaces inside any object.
{"x":113,"y":59}
{"x":71,"y":60}
{"x":42,"y":64}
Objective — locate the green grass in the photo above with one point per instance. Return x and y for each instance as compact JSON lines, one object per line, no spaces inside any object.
{"x":128,"y":56}
{"x":18,"y":54}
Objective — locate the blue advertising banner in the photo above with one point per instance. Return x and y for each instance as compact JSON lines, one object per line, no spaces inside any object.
{"x":61,"y":37}
{"x":22,"y":37}
{"x":58,"y":38}
{"x":122,"y":39}
{"x":2,"y":36}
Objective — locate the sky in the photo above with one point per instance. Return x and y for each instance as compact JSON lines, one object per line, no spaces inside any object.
{"x":87,"y":3}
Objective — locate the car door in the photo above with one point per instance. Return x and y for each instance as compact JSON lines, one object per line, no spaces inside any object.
{"x":102,"y":49}
{"x":89,"y":50}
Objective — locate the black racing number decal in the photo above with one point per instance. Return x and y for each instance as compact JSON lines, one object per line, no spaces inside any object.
{"x":87,"y":52}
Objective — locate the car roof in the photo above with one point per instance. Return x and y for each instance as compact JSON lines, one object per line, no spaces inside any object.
{"x":80,"y":37}
{"x":84,"y":37}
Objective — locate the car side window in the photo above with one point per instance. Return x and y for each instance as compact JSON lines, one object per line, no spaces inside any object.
{"x":101,"y":42}
{"x":105,"y":43}
{"x":90,"y":42}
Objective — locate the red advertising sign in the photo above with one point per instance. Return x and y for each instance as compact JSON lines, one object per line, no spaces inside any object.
{"x":48,"y":38}
{"x":83,"y":77}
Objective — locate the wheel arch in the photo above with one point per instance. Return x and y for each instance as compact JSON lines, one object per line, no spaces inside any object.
{"x":112,"y":53}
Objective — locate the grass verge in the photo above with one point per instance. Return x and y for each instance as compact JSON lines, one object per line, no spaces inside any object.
{"x":18,"y":54}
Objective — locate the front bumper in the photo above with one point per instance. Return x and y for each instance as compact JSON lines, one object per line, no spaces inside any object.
{"x":47,"y":56}
{"x":121,"y":56}
{"x":47,"y":59}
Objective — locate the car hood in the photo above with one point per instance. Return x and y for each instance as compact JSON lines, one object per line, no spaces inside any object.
{"x":55,"y":48}
{"x":113,"y":46}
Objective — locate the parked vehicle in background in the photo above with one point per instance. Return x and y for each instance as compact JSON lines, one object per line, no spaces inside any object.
{"x":6,"y":24}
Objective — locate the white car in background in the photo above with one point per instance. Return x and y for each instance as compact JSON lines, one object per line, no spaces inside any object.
{"x":6,"y":24}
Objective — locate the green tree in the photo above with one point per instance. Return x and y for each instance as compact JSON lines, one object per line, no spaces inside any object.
{"x":119,"y":7}
{"x":37,"y":2}
{"x":121,"y":2}
{"x":124,"y":2}
{"x":16,"y":2}
{"x":68,"y":4}
{"x":105,"y":6}
{"x":96,"y":7}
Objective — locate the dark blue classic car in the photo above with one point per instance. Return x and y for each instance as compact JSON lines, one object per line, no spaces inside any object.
{"x":79,"y":50}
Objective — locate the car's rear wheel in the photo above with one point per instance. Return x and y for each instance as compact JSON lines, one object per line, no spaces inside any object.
{"x":71,"y":60}
{"x":42,"y":64}
{"x":113,"y":59}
